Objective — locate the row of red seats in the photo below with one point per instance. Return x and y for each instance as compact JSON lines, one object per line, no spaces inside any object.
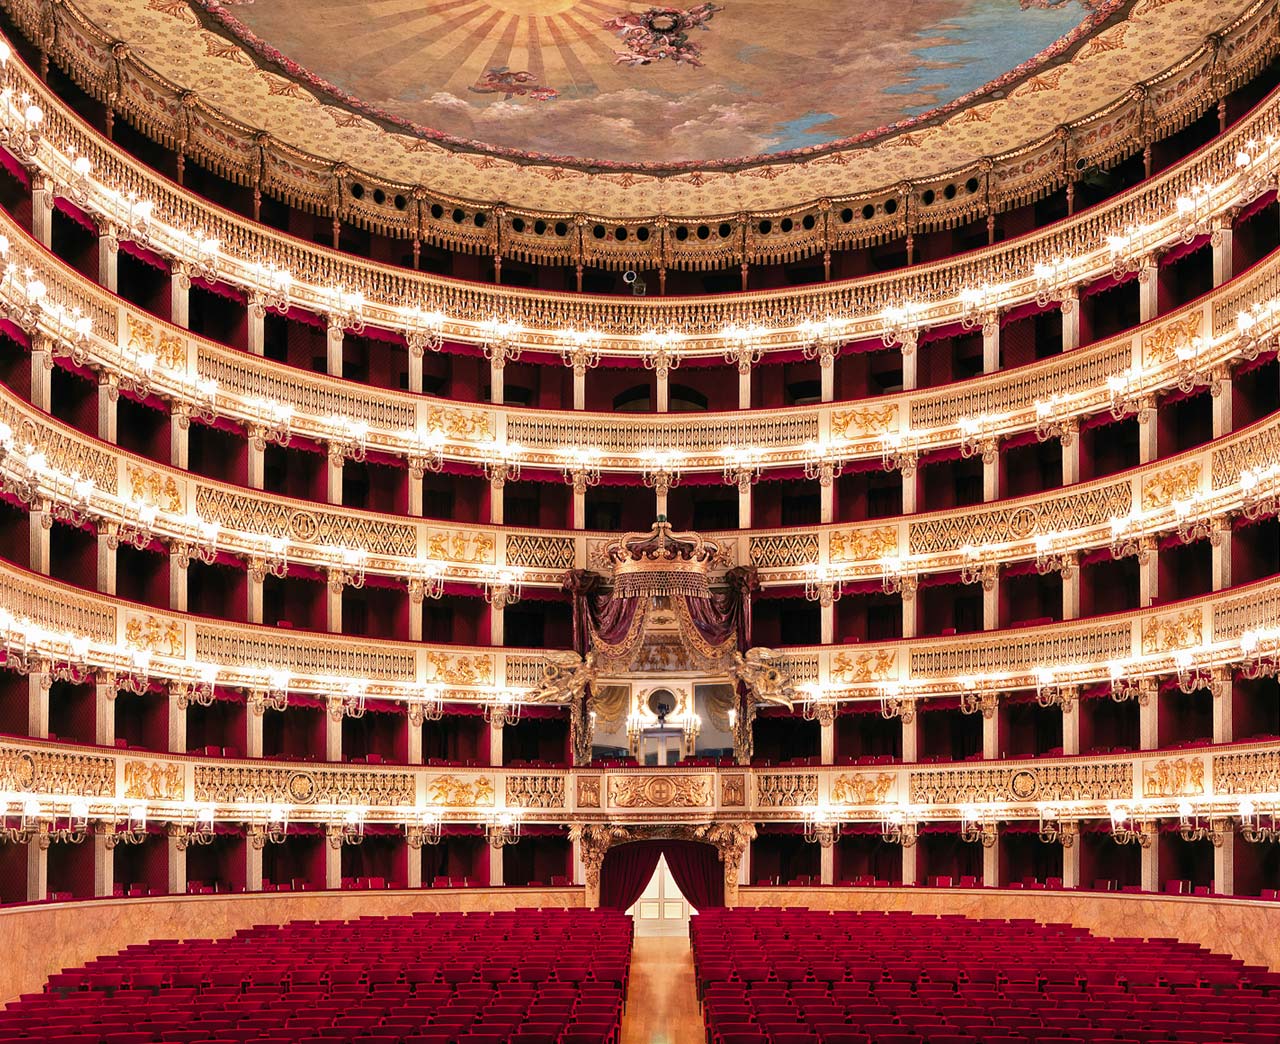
{"x":806,"y":977}
{"x":527,"y":976}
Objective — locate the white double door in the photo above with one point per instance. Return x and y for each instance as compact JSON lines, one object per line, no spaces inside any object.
{"x":661,"y":908}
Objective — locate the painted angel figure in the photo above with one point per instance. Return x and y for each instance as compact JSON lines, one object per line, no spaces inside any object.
{"x":659,"y":33}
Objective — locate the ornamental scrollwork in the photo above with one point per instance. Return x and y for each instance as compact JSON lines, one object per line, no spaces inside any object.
{"x":462,"y":425}
{"x":467,"y":548}
{"x":869,"y":420}
{"x":167,"y":349}
{"x":464,"y":669}
{"x":787,"y":789}
{"x":253,"y":785}
{"x":152,"y":487}
{"x":1162,"y":344}
{"x":540,"y":791}
{"x":44,"y":771}
{"x":634,"y":791}
{"x":588,"y":791}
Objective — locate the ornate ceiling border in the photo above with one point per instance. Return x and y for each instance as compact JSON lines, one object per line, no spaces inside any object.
{"x":1144,"y":76}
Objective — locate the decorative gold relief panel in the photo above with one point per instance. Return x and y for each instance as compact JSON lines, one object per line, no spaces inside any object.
{"x":468,"y":547}
{"x":862,"y":545}
{"x":1173,"y":777}
{"x":156,"y":634}
{"x":65,"y":450}
{"x":589,"y":791}
{"x":784,"y":549}
{"x":303,"y":654}
{"x":1254,"y":452}
{"x":1170,"y":485}
{"x":862,"y":788}
{"x":1172,"y":631}
{"x":1249,"y":772}
{"x":460,"y":669}
{"x":145,"y":338}
{"x":154,"y":487}
{"x":1065,"y":644}
{"x":456,"y":792}
{"x":265,"y":785}
{"x":44,"y":771}
{"x":864,"y":421}
{"x":733,"y":790}
{"x":535,"y":551}
{"x":535,"y":791}
{"x":1162,"y":343}
{"x":153,"y":781}
{"x":55,"y":608}
{"x":461,"y":424}
{"x":868,"y":666}
{"x":666,"y":791}
{"x":1095,"y":781}
{"x":1256,"y":611}
{"x":786,"y":789}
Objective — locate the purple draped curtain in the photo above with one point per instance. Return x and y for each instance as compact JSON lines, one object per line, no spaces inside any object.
{"x":695,"y":866}
{"x":595,"y":612}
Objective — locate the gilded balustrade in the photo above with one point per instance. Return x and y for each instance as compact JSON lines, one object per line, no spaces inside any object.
{"x":52,"y":630}
{"x":1043,"y":265}
{"x":46,"y":464}
{"x":131,"y":348}
{"x":1012,"y":175}
{"x":1150,"y":784}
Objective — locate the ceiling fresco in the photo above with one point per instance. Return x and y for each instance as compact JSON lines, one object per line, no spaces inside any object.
{"x":608,"y":82}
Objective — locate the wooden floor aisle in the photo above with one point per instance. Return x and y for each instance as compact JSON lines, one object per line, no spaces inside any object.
{"x":662,"y":1003}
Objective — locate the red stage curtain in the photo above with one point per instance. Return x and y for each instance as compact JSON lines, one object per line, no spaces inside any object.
{"x":698,"y":872}
{"x":625,"y":872}
{"x":695,"y":866}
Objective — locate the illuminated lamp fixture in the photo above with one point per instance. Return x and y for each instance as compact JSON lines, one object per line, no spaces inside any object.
{"x":74,"y":667}
{"x":1050,"y":559}
{"x":199,"y":830}
{"x":742,"y":346}
{"x":426,"y":580}
{"x":349,"y":830}
{"x":201,"y":400}
{"x":204,"y":263}
{"x":1051,"y":423}
{"x":270,"y":826}
{"x":1258,"y":662}
{"x":1257,"y":826}
{"x":690,"y":728}
{"x":20,"y":127}
{"x":1194,"y":213}
{"x":20,"y":639}
{"x":1055,"y":830}
{"x":201,"y":542}
{"x":427,"y":706}
{"x":137,"y":219}
{"x":72,"y":498}
{"x":129,"y":829}
{"x":348,"y":704}
{"x":1125,"y":398}
{"x":1053,"y":281}
{"x":1126,"y":687}
{"x":424,"y":331}
{"x":584,"y":355}
{"x":348,"y":569}
{"x":22,"y":821}
{"x":821,"y":585}
{"x":822,"y":463}
{"x":978,"y":438}
{"x":22,"y":476}
{"x":501,"y":463}
{"x":1254,"y":329}
{"x":136,"y":678}
{"x":636,"y":725}
{"x":502,"y":828}
{"x":822,"y":826}
{"x":1254,"y":176}
{"x":1129,"y":537}
{"x":503,"y":710}
{"x":975,"y":700}
{"x":662,"y":471}
{"x":823,"y":339}
{"x":1192,"y":525}
{"x":815,"y":706}
{"x":581,"y":468}
{"x":426,"y":451}
{"x":1125,"y":256}
{"x":978,"y":826}
{"x":345,"y":310}
{"x":1191,"y":370}
{"x":1194,"y":826}
{"x":1193,"y":677}
{"x":901,"y":326}
{"x":898,"y":577}
{"x":199,"y":693}
{"x":425,"y":829}
{"x":978,"y":305}
{"x":69,"y":330}
{"x":273,"y":288}
{"x":271,"y":559}
{"x":23,"y":297}
{"x":1052,"y":693}
{"x":661,"y":352}
{"x":1126,"y":829}
{"x":977,"y":568}
{"x":349,"y":441}
{"x":1260,"y":492}
{"x":268,"y":421}
{"x":78,"y":187}
{"x":499,"y":346}
{"x":897,"y":454}
{"x":72,"y":827}
{"x":899,"y":826}
{"x":272,"y":695}
{"x":741,"y":467}
{"x":503,"y":587}
{"x":893,"y":704}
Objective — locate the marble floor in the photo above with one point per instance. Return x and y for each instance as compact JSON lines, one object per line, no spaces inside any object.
{"x":662,"y":1003}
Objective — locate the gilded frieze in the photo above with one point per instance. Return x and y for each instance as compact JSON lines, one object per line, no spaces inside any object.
{"x":259,"y":785}
{"x":535,"y":551}
{"x":862,"y":788}
{"x":167,"y":349}
{"x":1162,"y":343}
{"x":153,"y":487}
{"x":588,"y":791}
{"x":1248,"y":772}
{"x":864,"y":421}
{"x":459,"y":424}
{"x":733,"y":790}
{"x":1172,"y":631}
{"x":859,"y":668}
{"x":44,"y":771}
{"x":460,"y":669}
{"x":455,"y":792}
{"x":301,"y":653}
{"x":55,"y":609}
{"x":863,"y":545}
{"x":1018,"y":653}
{"x":153,"y":781}
{"x":1170,"y":485}
{"x":673,"y":791}
{"x":535,"y":791}
{"x":1173,"y":777}
{"x":1095,"y":781}
{"x":154,"y":634}
{"x":786,"y":789}
{"x":784,"y":549}
{"x":459,"y":545}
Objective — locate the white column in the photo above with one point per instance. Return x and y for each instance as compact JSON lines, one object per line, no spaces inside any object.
{"x":827,"y":738}
{"x":413,"y":868}
{"x":991,"y":607}
{"x":104,"y":867}
{"x":1071,"y":865}
{"x":827,"y":374}
{"x":415,"y":370}
{"x":414,"y":754}
{"x":253,"y":738}
{"x":333,"y":607}
{"x":1220,"y":548}
{"x":497,"y":627}
{"x":579,"y":388}
{"x":1223,"y":727}
{"x":41,"y":373}
{"x":42,"y":214}
{"x":991,"y":478}
{"x":415,"y":621}
{"x":38,"y":533}
{"x":1149,"y":579}
{"x":256,"y":329}
{"x":575,"y":855}
{"x":177,"y":584}
{"x":909,"y":377}
{"x":910,"y":862}
{"x":252,"y":867}
{"x":1071,"y":729}
{"x":1224,"y":865}
{"x":991,"y":866}
{"x":1070,"y":308}
{"x":497,"y":384}
{"x":1148,"y":290}
{"x":253,"y":588}
{"x":744,"y":507}
{"x":744,"y":388}
{"x":495,"y":745}
{"x":37,"y":707}
{"x":911,"y":739}
{"x":826,"y":505}
{"x":827,"y":865}
{"x":909,"y":488}
{"x":991,"y":344}
{"x":496,"y":502}
{"x":1071,"y":591}
{"x":106,"y":575}
{"x":1151,"y":866}
{"x":332,"y":737}
{"x":37,"y":873}
{"x":991,"y":735}
{"x":107,"y":411}
{"x":1149,"y":724}
{"x":908,"y":618}
{"x":664,"y":391}
{"x":333,"y":348}
{"x":180,"y":296}
{"x":108,"y":263}
{"x":257,"y":466}
{"x":104,"y":712}
{"x":578,"y":509}
{"x":332,"y":866}
{"x":179,"y":436}
{"x":1223,"y":240}
{"x":177,"y":867}
{"x":1222,"y":409}
{"x":177,"y":726}
{"x":333,"y":474}
{"x":1071,"y":460}
{"x":496,"y":868}
{"x":416,"y":497}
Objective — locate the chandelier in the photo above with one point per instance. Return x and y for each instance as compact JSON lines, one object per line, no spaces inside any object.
{"x":201,"y":542}
{"x":136,"y":679}
{"x":1193,"y":826}
{"x":1126,"y":830}
{"x":271,"y":828}
{"x":821,"y":585}
{"x":893,"y":704}
{"x":742,"y":467}
{"x":823,"y":339}
{"x":425,"y":331}
{"x":1193,"y":677}
{"x":899,"y":827}
{"x":348,"y":704}
{"x":822,"y":827}
{"x":1193,"y":526}
{"x":1193,"y":214}
{"x":978,"y":826}
{"x":129,"y":829}
{"x":501,"y":463}
{"x":349,"y":830}
{"x":1260,"y":492}
{"x":199,"y":693}
{"x":1257,"y":662}
{"x":348,"y":570}
{"x":136,"y":525}
{"x":581,"y":468}
{"x":499,"y":346}
{"x":1191,"y":370}
{"x":742,"y":346}
{"x":1052,"y":422}
{"x":1129,"y":537}
{"x":425,"y":580}
{"x":24,"y":825}
{"x":502,"y":828}
{"x":273,"y":559}
{"x":426,"y":451}
{"x":274,"y":695}
{"x":1051,"y":693}
{"x":269,"y":422}
{"x":425,"y":829}
{"x":349,"y":441}
{"x":428,"y":706}
{"x":902,"y":324}
{"x":503,"y":710}
{"x":1125,"y":256}
{"x":1053,"y":281}
{"x":1054,"y":829}
{"x":1051,"y":560}
{"x":199,"y":831}
{"x":822,"y":463}
{"x":274,"y":286}
{"x":584,"y":355}
{"x":979,"y":305}
{"x":898,"y":577}
{"x":974,"y":700}
{"x":662,"y":471}
{"x":1125,"y":398}
{"x":503,"y":587}
{"x":978,"y":437}
{"x":20,"y":129}
{"x":345,"y":310}
{"x":662,"y":353}
{"x":1124,"y":687}
{"x":1257,"y":826}
{"x":975,"y":568}
{"x":897,"y":454}
{"x":815,"y":706}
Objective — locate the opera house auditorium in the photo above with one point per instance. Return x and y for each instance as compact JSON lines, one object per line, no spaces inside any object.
{"x":580,"y":522}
